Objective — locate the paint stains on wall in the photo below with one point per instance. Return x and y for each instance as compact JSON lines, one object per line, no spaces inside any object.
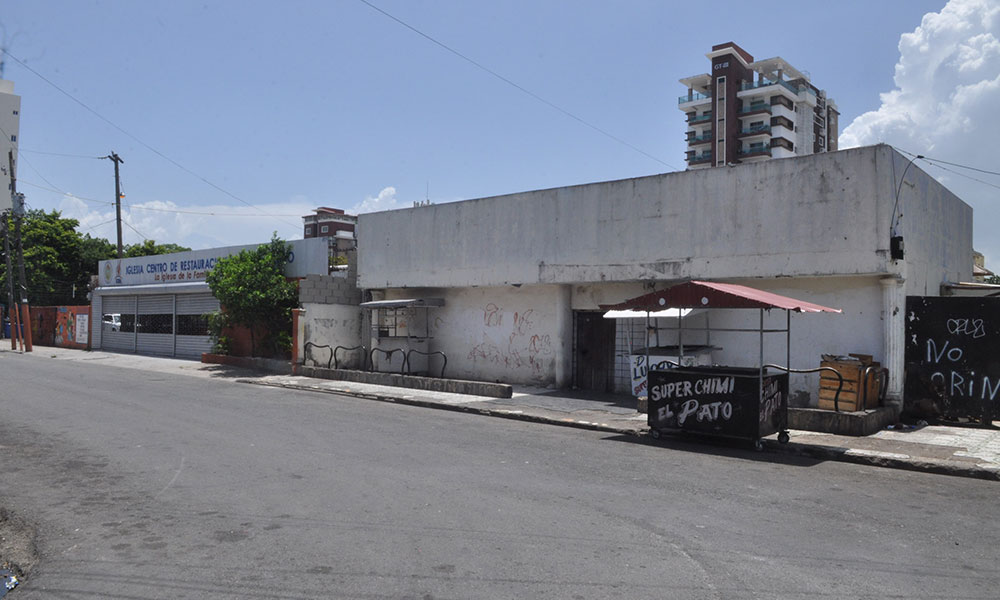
{"x":514,"y":344}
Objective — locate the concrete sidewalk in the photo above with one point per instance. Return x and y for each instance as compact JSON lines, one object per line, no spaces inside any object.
{"x":950,"y":450}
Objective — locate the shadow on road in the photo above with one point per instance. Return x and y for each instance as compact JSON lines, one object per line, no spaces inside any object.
{"x":722,"y":447}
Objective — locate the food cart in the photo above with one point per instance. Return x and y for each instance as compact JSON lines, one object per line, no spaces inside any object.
{"x":742,"y":402}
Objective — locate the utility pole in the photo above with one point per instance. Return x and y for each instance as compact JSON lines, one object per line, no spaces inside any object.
{"x":118,"y":197}
{"x":18,"y":200}
{"x":11,"y":311}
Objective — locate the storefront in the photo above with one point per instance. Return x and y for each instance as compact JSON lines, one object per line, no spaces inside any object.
{"x":158,"y":305}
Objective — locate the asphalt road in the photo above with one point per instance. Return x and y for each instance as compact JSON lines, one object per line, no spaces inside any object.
{"x":148,"y":485}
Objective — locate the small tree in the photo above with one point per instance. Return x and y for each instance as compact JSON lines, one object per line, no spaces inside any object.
{"x":253,"y":291}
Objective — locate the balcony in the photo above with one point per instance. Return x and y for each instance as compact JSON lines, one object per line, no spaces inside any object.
{"x":755,"y":130}
{"x":760,"y":84}
{"x":705,"y":118}
{"x":755,"y":150}
{"x":754,"y":109}
{"x":693,"y":158}
{"x":694,"y":98}
{"x":694,"y":140}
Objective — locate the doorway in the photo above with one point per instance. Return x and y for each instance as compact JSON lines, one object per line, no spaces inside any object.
{"x":593,"y":351}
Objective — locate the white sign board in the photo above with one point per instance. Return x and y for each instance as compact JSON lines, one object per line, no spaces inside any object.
{"x":309,"y":257}
{"x":82,"y":328}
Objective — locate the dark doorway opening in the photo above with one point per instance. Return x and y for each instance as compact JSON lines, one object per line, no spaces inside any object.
{"x":593,"y":351}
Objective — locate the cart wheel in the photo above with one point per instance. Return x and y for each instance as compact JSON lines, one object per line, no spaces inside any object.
{"x":783,"y":437}
{"x":655,"y":433}
{"x":758,"y":445}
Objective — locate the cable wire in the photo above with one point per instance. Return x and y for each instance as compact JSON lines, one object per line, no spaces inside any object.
{"x":517,"y":86}
{"x":60,"y":154}
{"x":129,"y":135}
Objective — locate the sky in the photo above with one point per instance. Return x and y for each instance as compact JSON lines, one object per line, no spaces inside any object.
{"x":236,"y":118}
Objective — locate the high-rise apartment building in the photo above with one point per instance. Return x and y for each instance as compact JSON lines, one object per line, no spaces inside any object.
{"x":10,"y":119}
{"x":746,"y":111}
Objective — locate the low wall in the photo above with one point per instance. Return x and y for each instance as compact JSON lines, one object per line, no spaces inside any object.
{"x":269,"y":365}
{"x":454,"y":386}
{"x":61,"y":326}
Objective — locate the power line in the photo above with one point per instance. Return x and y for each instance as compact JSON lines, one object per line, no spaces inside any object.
{"x":515,"y":85}
{"x":60,"y":154}
{"x":967,"y":176}
{"x":129,"y":225}
{"x":98,"y":225}
{"x":933,"y":161}
{"x":134,"y":138}
{"x":164,"y":210}
{"x":962,"y":166}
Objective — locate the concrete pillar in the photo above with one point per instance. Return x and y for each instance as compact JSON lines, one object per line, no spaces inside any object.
{"x":894,"y":324}
{"x":298,"y":338}
{"x":564,"y":335}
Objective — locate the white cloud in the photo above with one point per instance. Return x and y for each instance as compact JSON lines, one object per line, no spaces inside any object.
{"x":196,"y":226}
{"x":386,"y":200}
{"x":944,"y":106}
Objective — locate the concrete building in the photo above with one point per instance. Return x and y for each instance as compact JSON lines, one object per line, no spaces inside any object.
{"x":157,"y":304}
{"x":10,"y":124}
{"x":520,"y":278}
{"x":746,"y":111}
{"x":327,"y":222}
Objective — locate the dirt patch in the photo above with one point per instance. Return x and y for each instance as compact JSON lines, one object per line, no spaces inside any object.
{"x":17,"y":544}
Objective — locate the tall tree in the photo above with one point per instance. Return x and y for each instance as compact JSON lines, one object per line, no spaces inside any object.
{"x":151,"y":248}
{"x":51,"y":256}
{"x":59,"y":262}
{"x":252,"y":289}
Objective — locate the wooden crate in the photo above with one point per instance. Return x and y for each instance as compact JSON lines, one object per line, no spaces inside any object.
{"x":851,"y":397}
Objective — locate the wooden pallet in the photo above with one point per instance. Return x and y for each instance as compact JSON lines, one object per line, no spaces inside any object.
{"x":856,"y":394}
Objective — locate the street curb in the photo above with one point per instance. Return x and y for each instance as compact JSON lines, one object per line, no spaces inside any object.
{"x":489,"y":412}
{"x":876,"y":459}
{"x":833,"y":453}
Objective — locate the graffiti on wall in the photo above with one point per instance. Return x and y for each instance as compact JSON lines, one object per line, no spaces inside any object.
{"x":512,"y":342}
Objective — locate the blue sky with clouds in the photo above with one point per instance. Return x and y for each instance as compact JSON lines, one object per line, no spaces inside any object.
{"x":285,"y":106}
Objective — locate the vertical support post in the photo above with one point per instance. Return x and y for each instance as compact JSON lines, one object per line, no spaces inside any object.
{"x":296,"y":339}
{"x":17,"y":201}
{"x":680,"y":335}
{"x":760,"y":364}
{"x":15,"y":328}
{"x":118,"y":198}
{"x":894,"y":313}
{"x":11,"y":311}
{"x":173,"y":326}
{"x":135,"y":327}
{"x":788,"y":340}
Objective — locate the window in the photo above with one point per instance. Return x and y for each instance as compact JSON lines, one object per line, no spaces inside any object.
{"x":324,"y":229}
{"x":309,"y":230}
{"x":158,"y":323}
{"x":13,"y":138}
{"x":15,"y":112}
{"x":192,"y":324}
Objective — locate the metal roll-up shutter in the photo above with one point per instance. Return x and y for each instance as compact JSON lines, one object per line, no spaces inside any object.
{"x":156,"y":325}
{"x":118,"y":323}
{"x":192,"y":326}
{"x":95,"y":321}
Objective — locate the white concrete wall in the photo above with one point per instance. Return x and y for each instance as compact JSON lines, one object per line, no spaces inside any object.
{"x":824,"y":214}
{"x":507,"y":334}
{"x":524,"y":335}
{"x":331,"y":325}
{"x":858,"y":329}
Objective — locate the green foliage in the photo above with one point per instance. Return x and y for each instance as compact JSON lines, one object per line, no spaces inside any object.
{"x":252,"y":289}
{"x":58,"y":261}
{"x":994,"y":279}
{"x":151,"y":248}
{"x":217,"y":323}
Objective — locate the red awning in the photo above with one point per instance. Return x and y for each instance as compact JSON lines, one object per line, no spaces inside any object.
{"x":706,"y":294}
